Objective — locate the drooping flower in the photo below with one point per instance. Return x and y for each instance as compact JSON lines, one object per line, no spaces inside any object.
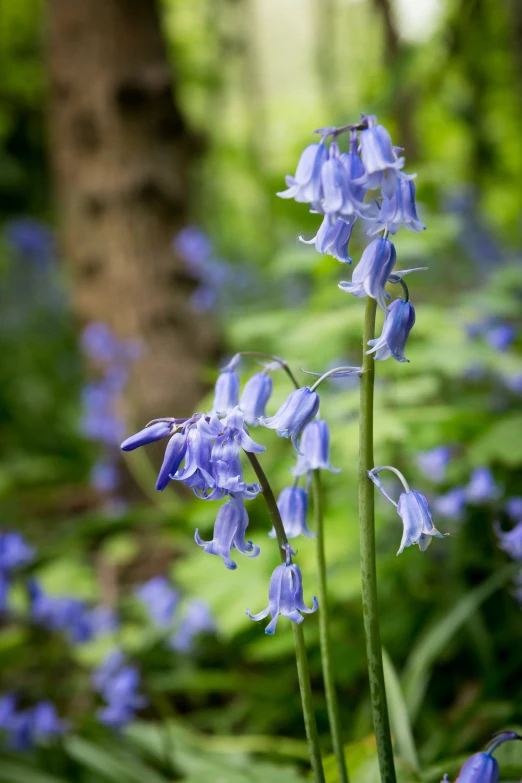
{"x":315,"y":448}
{"x":372,"y":272}
{"x":293,"y":507}
{"x":416,"y":517}
{"x":174,"y":455}
{"x":342,"y":192}
{"x":398,"y":323}
{"x":160,"y":599}
{"x":299,"y":408}
{"x":377,"y":152}
{"x":400,"y":209}
{"x":481,"y":487}
{"x":306,"y":186}
{"x":433,"y":463}
{"x":511,"y":541}
{"x":451,"y":504}
{"x":285,"y":597}
{"x":226,"y":392}
{"x":229,"y":533}
{"x":479,"y":768}
{"x":333,"y":238}
{"x":197,"y":619}
{"x":255,"y":396}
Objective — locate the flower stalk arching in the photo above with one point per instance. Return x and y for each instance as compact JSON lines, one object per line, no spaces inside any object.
{"x":303,"y":671}
{"x":381,"y":721}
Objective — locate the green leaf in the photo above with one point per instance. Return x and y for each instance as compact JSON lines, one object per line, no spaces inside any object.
{"x":111,"y":763}
{"x":13,"y":772}
{"x":502,"y":442}
{"x":399,"y":719}
{"x":417,"y":670}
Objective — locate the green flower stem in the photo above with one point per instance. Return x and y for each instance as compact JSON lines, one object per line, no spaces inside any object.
{"x":381,"y":723}
{"x":301,"y":657}
{"x":326,"y":658}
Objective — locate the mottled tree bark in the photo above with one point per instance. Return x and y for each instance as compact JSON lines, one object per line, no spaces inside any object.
{"x":121,"y":154}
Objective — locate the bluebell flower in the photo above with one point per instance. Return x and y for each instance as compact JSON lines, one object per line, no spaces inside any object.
{"x":377,"y":152}
{"x":451,"y":504}
{"x":20,"y":733}
{"x":174,"y":455}
{"x":31,"y":239}
{"x":14,"y":552}
{"x":306,"y":186}
{"x":513,"y":508}
{"x":372,"y":272}
{"x":501,"y":336}
{"x":416,"y":517}
{"x":98,"y":342}
{"x":433,"y":463}
{"x":481,"y":487}
{"x":197,"y":620}
{"x":255,"y":396}
{"x":479,"y":768}
{"x":285,"y":597}
{"x":110,"y":666}
{"x":149,"y":434}
{"x":226,"y":392}
{"x":400,"y":209}
{"x":104,"y":476}
{"x":315,"y":449}
{"x":229,"y":533}
{"x":160,"y":599}
{"x":63,"y":613}
{"x":299,"y":408}
{"x":398,"y":323}
{"x":7,"y":710}
{"x":293,"y":507}
{"x":193,"y":246}
{"x":511,"y":541}
{"x":333,"y":238}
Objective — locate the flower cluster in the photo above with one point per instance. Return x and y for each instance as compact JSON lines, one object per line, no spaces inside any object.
{"x":25,"y":728}
{"x":118,"y":683}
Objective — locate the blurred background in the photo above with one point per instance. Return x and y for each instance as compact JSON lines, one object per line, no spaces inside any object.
{"x":141,"y":147}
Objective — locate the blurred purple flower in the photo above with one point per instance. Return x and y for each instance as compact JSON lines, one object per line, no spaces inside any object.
{"x":193,"y":245}
{"x":433,"y":463}
{"x":196,"y":620}
{"x":14,"y":552}
{"x":31,"y":239}
{"x":118,"y":683}
{"x":72,"y":616}
{"x":511,"y":540}
{"x":513,"y":508}
{"x":500,"y":337}
{"x":451,"y":504}
{"x":160,"y":600}
{"x":104,"y":476}
{"x":481,"y":487}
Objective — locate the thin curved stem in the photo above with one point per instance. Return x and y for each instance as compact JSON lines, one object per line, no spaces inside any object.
{"x":381,"y":723}
{"x":301,"y":657}
{"x":278,"y":359}
{"x":324,"y":636}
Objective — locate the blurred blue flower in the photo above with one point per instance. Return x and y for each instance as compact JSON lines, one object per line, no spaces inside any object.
{"x":194,"y":247}
{"x":196,"y":620}
{"x":104,"y":476}
{"x":27,"y":727}
{"x":400,"y":209}
{"x":118,"y":684}
{"x":307,"y":186}
{"x":511,"y":540}
{"x":315,"y":449}
{"x":293,"y":507}
{"x":31,"y":239}
{"x":74,"y":617}
{"x":372,"y":272}
{"x":7,"y":710}
{"x":299,"y":408}
{"x":255,"y":396}
{"x":500,"y":337}
{"x":481,"y":487}
{"x":333,"y":238}
{"x":398,"y":323}
{"x":229,"y":533}
{"x":14,"y":552}
{"x":226,"y":392}
{"x":433,"y":463}
{"x":513,"y":383}
{"x":5,"y":586}
{"x":285,"y":597}
{"x":451,"y":504}
{"x":45,"y":721}
{"x":513,"y":508}
{"x":160,"y":599}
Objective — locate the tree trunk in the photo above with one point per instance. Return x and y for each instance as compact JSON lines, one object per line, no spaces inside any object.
{"x":121,"y":154}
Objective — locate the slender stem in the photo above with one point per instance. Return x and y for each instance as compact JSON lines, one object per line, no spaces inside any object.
{"x":381,"y":723}
{"x":326,"y":658}
{"x":284,"y":365}
{"x":301,"y":657}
